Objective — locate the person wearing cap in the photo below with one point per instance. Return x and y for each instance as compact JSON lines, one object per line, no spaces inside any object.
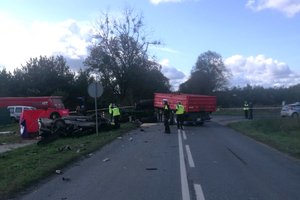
{"x":179,"y":115}
{"x":167,"y":112}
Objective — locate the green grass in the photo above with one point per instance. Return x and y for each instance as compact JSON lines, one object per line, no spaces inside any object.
{"x":24,"y":166}
{"x":13,"y":137}
{"x":282,"y":133}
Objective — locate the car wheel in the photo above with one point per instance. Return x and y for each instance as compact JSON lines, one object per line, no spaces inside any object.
{"x":295,"y":115}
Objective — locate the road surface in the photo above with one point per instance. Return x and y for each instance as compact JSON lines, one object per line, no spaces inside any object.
{"x":211,"y":162}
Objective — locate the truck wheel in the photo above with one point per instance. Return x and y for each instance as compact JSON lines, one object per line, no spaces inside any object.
{"x":55,"y":116}
{"x":295,"y":115}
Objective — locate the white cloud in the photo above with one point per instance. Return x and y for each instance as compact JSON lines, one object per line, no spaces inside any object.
{"x":288,"y":7}
{"x":156,"y":2}
{"x":20,"y":41}
{"x":260,"y":70}
{"x":175,"y":76}
{"x":165,"y":49}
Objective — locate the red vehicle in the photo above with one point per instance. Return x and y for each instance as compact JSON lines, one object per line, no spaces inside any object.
{"x":197,"y":107}
{"x":47,"y":107}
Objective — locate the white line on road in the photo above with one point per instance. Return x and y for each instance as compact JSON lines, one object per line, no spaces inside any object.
{"x":189,"y":155}
{"x":184,"y":135}
{"x":183,"y":175}
{"x":199,"y":192}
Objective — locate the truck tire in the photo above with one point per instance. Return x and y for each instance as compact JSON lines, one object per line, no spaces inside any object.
{"x":295,"y":115}
{"x":54,"y":115}
{"x":59,"y":123}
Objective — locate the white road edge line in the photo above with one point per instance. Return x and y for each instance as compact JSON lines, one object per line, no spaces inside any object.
{"x":199,"y":192}
{"x":183,"y":175}
{"x":184,"y":135}
{"x":189,"y":155}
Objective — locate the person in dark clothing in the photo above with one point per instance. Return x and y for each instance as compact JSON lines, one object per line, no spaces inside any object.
{"x":167,"y":112}
{"x":250,"y":111}
{"x":179,"y":115}
{"x":246,"y":109}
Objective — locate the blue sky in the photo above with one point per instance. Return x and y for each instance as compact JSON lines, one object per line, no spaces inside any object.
{"x":259,"y":40}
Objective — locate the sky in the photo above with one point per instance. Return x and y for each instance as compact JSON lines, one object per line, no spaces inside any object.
{"x":259,"y":40}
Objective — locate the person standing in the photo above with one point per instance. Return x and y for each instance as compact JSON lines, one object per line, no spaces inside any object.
{"x":110,"y":111}
{"x":250,"y":110}
{"x":246,"y":109}
{"x":167,"y":112}
{"x":179,"y":115}
{"x":116,"y":115}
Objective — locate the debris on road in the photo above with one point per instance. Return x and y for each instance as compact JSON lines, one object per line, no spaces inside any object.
{"x":66,"y":179}
{"x":89,"y":155}
{"x":67,"y":147}
{"x":120,"y":138}
{"x":130,"y":139}
{"x":151,"y":168}
{"x":106,"y":160}
{"x":58,"y":171}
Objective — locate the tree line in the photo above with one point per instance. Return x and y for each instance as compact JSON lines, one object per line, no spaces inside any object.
{"x":119,"y":58}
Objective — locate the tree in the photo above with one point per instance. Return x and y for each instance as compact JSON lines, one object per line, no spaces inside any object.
{"x":5,"y":83}
{"x":207,"y":76}
{"x":120,"y":57}
{"x":43,"y":76}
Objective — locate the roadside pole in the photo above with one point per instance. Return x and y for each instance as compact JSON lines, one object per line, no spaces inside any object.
{"x":95,"y":90}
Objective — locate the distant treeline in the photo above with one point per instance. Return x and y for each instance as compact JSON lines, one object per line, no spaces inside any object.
{"x":258,"y":95}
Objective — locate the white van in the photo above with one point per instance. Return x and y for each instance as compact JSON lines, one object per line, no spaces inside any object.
{"x":16,"y":111}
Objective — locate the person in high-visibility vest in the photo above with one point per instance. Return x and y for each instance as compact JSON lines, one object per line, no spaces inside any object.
{"x":179,"y":115}
{"x":246,"y":109}
{"x":167,"y":112}
{"x":116,"y":115}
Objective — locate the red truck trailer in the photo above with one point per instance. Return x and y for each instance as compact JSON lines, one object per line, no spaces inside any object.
{"x":197,"y":107}
{"x":46,"y":107}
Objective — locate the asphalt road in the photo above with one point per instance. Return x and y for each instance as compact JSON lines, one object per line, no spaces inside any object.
{"x":211,"y":162}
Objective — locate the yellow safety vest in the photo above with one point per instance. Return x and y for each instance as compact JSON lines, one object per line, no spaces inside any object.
{"x":246,"y":106}
{"x":116,"y":112}
{"x":179,"y":109}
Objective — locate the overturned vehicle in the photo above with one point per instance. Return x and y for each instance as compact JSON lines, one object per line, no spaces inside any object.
{"x":70,"y":126}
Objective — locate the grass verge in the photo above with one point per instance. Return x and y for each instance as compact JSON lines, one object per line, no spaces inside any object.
{"x":13,"y":137}
{"x":24,"y":166}
{"x":282,"y":134}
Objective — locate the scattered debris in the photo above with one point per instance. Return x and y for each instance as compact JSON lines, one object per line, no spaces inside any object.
{"x":106,"y":160}
{"x":88,"y":155}
{"x":142,"y":130}
{"x":58,"y":171}
{"x":66,"y":179}
{"x":67,"y":147}
{"x":130,"y":139}
{"x":138,"y":123}
{"x":120,"y":138}
{"x":151,"y":168}
{"x":78,"y":151}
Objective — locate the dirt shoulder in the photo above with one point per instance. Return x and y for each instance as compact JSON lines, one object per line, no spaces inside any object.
{"x":8,"y":147}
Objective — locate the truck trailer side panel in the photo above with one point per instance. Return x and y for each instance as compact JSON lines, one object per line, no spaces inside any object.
{"x":191,"y":102}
